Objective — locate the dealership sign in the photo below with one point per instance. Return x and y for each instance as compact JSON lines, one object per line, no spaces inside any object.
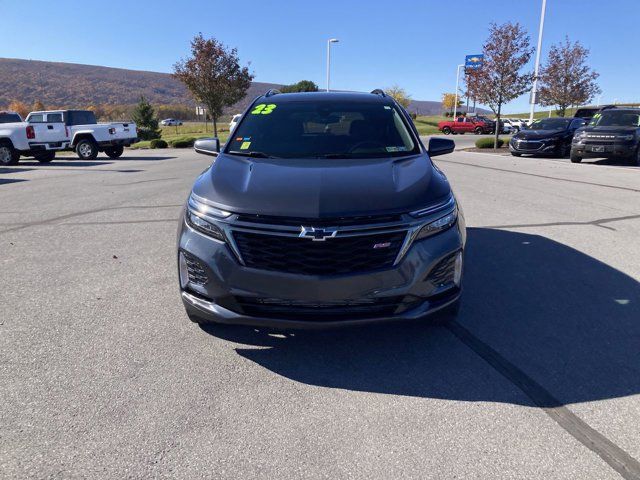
{"x":473,"y":62}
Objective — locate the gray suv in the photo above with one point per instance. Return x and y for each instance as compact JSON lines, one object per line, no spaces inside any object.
{"x":321,"y":209}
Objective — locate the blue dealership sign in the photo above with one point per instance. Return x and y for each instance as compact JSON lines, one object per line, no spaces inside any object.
{"x":473,"y":62}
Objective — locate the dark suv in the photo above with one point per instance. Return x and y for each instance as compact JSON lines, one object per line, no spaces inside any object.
{"x":321,"y":209}
{"x":611,"y":133}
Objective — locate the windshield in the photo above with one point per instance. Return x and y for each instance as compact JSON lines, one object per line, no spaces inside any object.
{"x":300,"y":129}
{"x":551,"y":124}
{"x":9,"y":118}
{"x":616,"y":118}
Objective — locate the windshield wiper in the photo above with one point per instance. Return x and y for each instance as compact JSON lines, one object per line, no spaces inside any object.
{"x":338,"y":155}
{"x":251,"y":154}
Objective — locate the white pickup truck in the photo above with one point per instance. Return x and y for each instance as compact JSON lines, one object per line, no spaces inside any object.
{"x":45,"y":133}
{"x":78,"y":130}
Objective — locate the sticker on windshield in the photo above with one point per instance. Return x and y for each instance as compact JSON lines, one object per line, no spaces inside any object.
{"x":245,"y":145}
{"x":397,"y":149}
{"x":263,"y":109}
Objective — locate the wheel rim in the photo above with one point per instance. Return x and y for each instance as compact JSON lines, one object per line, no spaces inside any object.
{"x":5,"y":155}
{"x":85,"y":150}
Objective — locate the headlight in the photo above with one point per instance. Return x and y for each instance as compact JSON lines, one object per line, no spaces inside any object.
{"x":198,"y":223}
{"x":199,"y":216}
{"x":625,"y":138}
{"x":579,"y":135}
{"x":439,"y":225}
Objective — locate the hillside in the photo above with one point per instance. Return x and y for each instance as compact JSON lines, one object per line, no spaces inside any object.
{"x":71,"y":84}
{"x":75,"y":85}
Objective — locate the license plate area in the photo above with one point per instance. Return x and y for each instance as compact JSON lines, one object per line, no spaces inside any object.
{"x":597,"y":148}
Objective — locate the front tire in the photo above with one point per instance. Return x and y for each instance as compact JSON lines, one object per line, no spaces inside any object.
{"x":446,"y":130}
{"x":45,"y":157}
{"x":114,"y":152}
{"x":478,"y":131}
{"x":575,"y":158}
{"x":8,"y":155}
{"x":86,"y":149}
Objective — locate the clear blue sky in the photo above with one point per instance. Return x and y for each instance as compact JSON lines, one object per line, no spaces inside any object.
{"x":415,"y":44}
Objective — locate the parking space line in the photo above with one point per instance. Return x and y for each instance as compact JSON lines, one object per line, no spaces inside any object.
{"x":618,"y":459}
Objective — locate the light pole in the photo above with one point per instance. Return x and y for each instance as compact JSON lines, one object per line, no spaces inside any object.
{"x":599,"y":100}
{"x":329,"y":42}
{"x":455,"y":102}
{"x":534,"y":89}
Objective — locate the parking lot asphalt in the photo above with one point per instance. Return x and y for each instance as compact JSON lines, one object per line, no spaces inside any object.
{"x":103,"y":375}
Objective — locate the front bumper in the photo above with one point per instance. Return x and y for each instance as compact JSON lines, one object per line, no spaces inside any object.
{"x":609,"y":150}
{"x":228,"y":280}
{"x":534,"y":146}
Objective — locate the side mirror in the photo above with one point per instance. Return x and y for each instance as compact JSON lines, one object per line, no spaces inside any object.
{"x":207,"y":146}
{"x":440,"y":146}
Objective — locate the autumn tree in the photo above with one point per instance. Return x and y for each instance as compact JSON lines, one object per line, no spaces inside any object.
{"x":449,"y":101}
{"x":213,"y":75}
{"x":566,"y":79}
{"x":399,"y":94}
{"x":500,"y":80}
{"x":20,"y":108}
{"x":38,"y":106}
{"x":301,"y":86}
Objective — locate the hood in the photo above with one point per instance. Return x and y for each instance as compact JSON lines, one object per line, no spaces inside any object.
{"x":321,"y":188}
{"x":610,"y":130}
{"x":539,"y":134}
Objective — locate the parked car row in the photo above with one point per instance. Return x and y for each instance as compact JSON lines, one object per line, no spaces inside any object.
{"x":44,"y":133}
{"x":611,"y":132}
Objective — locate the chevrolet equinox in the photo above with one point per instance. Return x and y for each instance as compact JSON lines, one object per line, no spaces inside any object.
{"x":321,"y":209}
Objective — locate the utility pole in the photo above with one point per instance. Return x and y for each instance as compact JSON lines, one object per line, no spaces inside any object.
{"x":329,"y":42}
{"x":455,"y":103}
{"x":534,"y":89}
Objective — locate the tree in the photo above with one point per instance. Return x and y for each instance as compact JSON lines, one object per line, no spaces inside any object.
{"x":213,"y":75}
{"x":399,"y":95}
{"x":301,"y":86}
{"x":20,"y":108}
{"x":566,"y":79}
{"x":506,"y":52}
{"x":146,"y":121}
{"x":38,"y":106}
{"x":449,"y":101}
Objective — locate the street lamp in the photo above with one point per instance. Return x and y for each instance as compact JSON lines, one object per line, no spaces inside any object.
{"x":329,"y":42}
{"x":534,"y":89}
{"x":455,"y":103}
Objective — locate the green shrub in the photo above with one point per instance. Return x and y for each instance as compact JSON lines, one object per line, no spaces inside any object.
{"x":158,"y":143}
{"x":488,"y":143}
{"x":182,"y":142}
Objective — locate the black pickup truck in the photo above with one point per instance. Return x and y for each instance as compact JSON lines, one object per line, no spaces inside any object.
{"x":611,"y":133}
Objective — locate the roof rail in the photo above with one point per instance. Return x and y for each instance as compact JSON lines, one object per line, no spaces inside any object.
{"x":379,"y":91}
{"x":271,"y":92}
{"x":608,"y":107}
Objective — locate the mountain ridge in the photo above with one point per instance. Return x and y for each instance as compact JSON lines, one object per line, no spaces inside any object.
{"x":77,"y":85}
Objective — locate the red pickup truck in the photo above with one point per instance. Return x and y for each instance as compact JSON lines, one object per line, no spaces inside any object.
{"x":464,"y":125}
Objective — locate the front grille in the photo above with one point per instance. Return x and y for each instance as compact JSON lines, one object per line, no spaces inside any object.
{"x":320,"y":222}
{"x":524,"y":145}
{"x":196,"y":271}
{"x":443,"y":273}
{"x":328,"y":311}
{"x":335,"y":256}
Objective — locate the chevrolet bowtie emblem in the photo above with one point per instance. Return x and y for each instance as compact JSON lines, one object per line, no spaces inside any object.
{"x":318,"y":234}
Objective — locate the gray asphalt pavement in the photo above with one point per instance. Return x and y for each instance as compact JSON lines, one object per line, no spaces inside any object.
{"x":103,"y":376}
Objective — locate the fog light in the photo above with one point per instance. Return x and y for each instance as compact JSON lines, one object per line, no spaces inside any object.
{"x":184,"y":271}
{"x":457,"y":270}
